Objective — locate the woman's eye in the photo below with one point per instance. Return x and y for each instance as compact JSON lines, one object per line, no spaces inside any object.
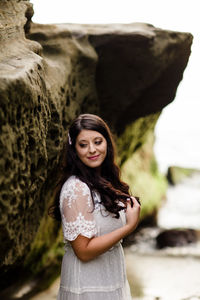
{"x":83,"y":145}
{"x":98,"y":142}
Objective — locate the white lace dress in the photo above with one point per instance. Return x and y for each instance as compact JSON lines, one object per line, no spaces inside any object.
{"x":103,"y":278}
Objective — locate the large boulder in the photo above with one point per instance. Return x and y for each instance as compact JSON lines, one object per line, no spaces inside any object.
{"x":49,"y":74}
{"x":176,"y":238}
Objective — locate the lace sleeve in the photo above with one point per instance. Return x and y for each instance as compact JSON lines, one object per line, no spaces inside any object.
{"x":76,"y":208}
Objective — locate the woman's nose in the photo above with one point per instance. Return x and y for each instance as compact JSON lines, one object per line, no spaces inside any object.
{"x":92,"y":148}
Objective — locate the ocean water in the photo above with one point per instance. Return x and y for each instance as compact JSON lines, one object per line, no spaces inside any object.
{"x":178,"y":135}
{"x":178,"y":143}
{"x":182,"y":208}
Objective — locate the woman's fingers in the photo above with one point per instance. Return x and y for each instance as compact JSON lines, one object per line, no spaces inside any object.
{"x":133,"y":201}
{"x":136,"y":200}
{"x":130,"y":201}
{"x":132,"y":213}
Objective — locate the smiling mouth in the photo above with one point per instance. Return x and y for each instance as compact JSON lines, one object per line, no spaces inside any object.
{"x":93,"y":157}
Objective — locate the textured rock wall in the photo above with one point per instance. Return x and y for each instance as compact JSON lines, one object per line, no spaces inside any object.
{"x":42,"y":89}
{"x":48,"y":75}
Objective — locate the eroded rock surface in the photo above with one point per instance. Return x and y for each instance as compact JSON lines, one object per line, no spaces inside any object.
{"x":125,"y":73}
{"x":41,"y":90}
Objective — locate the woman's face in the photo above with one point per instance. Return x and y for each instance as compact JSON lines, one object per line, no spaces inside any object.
{"x":91,"y":148}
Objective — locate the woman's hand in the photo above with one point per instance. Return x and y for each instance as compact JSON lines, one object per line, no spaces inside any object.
{"x":132,"y":214}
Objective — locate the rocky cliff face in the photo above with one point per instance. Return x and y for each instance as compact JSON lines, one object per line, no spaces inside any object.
{"x":49,"y":74}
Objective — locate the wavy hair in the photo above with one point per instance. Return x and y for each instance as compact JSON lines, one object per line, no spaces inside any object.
{"x":108,"y":183}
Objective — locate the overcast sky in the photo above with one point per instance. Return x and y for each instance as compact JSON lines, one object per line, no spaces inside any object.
{"x":179,"y":125}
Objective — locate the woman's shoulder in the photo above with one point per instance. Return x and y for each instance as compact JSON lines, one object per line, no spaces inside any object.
{"x":74,"y":183}
{"x":70,"y":179}
{"x":73,"y":179}
{"x":75,"y":189}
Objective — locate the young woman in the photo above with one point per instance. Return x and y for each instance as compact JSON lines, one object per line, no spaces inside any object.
{"x":97,"y":212}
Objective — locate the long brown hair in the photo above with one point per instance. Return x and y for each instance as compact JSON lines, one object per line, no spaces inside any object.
{"x":108,"y":183}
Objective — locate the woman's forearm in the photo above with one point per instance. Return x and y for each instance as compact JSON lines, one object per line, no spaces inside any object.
{"x":101,"y":244}
{"x":87,"y":249}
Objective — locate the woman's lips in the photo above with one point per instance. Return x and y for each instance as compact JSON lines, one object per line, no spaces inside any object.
{"x":93,"y":157}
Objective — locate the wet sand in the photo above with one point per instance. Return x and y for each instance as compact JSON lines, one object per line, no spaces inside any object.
{"x":49,"y":294}
{"x":163,"y":277}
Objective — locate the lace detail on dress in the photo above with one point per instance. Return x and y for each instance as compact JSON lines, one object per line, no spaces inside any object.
{"x":70,"y":193}
{"x":80,"y":226}
{"x":76,"y":210}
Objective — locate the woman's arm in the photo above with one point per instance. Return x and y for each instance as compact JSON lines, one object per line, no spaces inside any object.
{"x":87,"y":249}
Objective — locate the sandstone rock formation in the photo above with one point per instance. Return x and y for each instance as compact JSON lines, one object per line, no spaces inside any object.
{"x":48,"y":75}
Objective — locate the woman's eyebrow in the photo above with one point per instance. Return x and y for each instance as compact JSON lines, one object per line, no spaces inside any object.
{"x":80,"y":141}
{"x":96,"y":137}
